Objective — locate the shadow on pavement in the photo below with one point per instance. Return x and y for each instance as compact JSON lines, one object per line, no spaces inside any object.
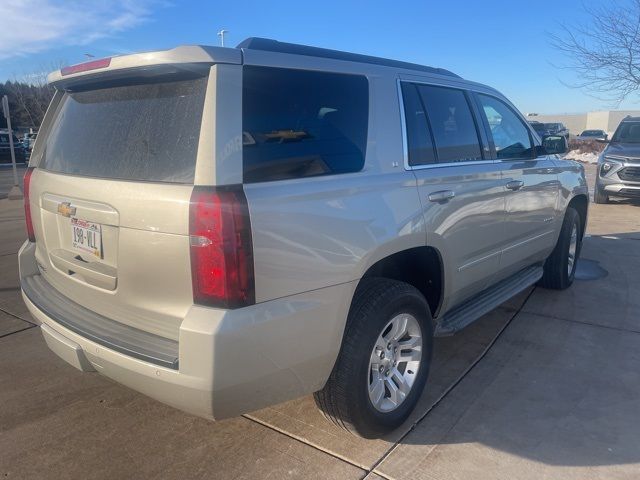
{"x":560,"y":387}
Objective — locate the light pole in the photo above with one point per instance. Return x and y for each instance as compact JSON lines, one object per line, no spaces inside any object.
{"x":15,"y":193}
{"x":221,"y":35}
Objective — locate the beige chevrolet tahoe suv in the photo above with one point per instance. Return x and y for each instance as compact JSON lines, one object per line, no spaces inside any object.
{"x":224,"y":229}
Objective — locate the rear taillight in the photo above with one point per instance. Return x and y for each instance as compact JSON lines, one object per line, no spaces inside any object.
{"x":27,"y":205}
{"x":86,"y":66}
{"x":221,"y":247}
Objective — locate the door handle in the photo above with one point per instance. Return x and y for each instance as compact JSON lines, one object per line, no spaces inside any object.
{"x":441,"y":196}
{"x":515,"y":185}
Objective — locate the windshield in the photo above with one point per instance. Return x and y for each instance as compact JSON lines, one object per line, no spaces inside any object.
{"x":627,"y":132}
{"x":538,"y":127}
{"x":592,"y":133}
{"x":145,"y":132}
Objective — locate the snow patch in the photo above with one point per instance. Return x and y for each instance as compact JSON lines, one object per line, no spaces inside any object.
{"x":582,"y":157}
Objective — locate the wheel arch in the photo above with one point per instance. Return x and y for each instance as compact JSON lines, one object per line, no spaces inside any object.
{"x":421,"y":267}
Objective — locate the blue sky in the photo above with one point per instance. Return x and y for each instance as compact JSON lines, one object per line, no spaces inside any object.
{"x":501,"y":43}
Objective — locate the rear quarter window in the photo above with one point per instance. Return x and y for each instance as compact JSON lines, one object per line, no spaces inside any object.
{"x":299,"y":123}
{"x":146,"y":132}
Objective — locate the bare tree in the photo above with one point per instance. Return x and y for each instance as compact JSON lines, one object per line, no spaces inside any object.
{"x":605,"y":52}
{"x":33,"y":95}
{"x":29,"y":96}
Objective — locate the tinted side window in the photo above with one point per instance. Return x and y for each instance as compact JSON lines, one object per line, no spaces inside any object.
{"x":420,"y":144}
{"x":510,"y":135}
{"x":299,"y":123}
{"x":450,"y":118}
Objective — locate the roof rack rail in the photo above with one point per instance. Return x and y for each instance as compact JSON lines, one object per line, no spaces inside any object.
{"x":269,"y":45}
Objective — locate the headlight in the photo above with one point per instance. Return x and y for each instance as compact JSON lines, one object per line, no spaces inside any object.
{"x":607,"y":163}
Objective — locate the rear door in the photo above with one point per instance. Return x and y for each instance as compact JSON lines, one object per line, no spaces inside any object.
{"x":111,"y":197}
{"x":461,"y":190}
{"x":531,"y":186}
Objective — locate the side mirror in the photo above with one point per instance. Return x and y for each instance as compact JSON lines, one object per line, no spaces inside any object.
{"x":555,"y":144}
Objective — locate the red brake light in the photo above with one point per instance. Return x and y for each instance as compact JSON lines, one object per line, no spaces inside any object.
{"x":221,"y":247}
{"x":27,"y":206}
{"x":86,"y":66}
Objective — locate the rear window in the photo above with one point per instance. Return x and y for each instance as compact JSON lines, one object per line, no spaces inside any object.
{"x":145,"y":132}
{"x":299,"y":123}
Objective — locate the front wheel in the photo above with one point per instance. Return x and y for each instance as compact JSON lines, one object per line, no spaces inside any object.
{"x":384,"y":361}
{"x":560,"y":267}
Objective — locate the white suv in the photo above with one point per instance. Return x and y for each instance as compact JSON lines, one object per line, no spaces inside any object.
{"x":227,"y":228}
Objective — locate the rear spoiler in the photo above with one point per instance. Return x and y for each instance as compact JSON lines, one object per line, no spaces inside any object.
{"x":176,"y":59}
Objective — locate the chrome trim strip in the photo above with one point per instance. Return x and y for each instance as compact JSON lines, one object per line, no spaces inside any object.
{"x":453,"y":164}
{"x":528,"y":240}
{"x":403,"y":126}
{"x":478,"y":260}
{"x":616,"y":187}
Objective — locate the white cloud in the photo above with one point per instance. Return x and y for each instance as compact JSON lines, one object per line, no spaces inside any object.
{"x":30,"y":26}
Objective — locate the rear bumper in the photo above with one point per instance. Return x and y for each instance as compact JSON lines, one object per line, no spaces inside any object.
{"x":230,"y":361}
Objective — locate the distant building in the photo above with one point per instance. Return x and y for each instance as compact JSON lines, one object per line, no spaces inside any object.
{"x":607,"y":120}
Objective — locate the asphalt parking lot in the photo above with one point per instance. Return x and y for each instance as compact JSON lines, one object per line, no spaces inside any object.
{"x":546,"y":386}
{"x":6,"y":178}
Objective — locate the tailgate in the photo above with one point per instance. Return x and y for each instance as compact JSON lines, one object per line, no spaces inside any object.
{"x":110,"y":200}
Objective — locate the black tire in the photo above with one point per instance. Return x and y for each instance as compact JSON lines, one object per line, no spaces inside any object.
{"x":556,"y":268}
{"x":345,"y":398}
{"x":599,"y":196}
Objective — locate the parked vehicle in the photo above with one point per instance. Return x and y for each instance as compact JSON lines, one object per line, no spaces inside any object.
{"x":28,"y":140}
{"x":619,"y":163}
{"x":593,"y":135}
{"x":5,"y":149}
{"x":556,"y":129}
{"x":540,"y":128}
{"x":309,"y":222}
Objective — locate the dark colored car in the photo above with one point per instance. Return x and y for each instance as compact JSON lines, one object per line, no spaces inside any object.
{"x":556,"y":129}
{"x":5,"y":149}
{"x":619,"y":163}
{"x":539,"y":127}
{"x":593,"y":135}
{"x":550,"y":129}
{"x":28,"y":140}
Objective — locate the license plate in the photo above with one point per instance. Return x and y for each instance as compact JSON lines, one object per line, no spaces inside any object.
{"x":86,"y":237}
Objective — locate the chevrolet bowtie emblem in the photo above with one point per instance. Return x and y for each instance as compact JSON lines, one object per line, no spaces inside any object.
{"x":66,"y":210}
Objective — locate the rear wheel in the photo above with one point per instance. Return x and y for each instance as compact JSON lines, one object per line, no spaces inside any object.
{"x":599,"y":196}
{"x":560,"y":267}
{"x":383,"y":364}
